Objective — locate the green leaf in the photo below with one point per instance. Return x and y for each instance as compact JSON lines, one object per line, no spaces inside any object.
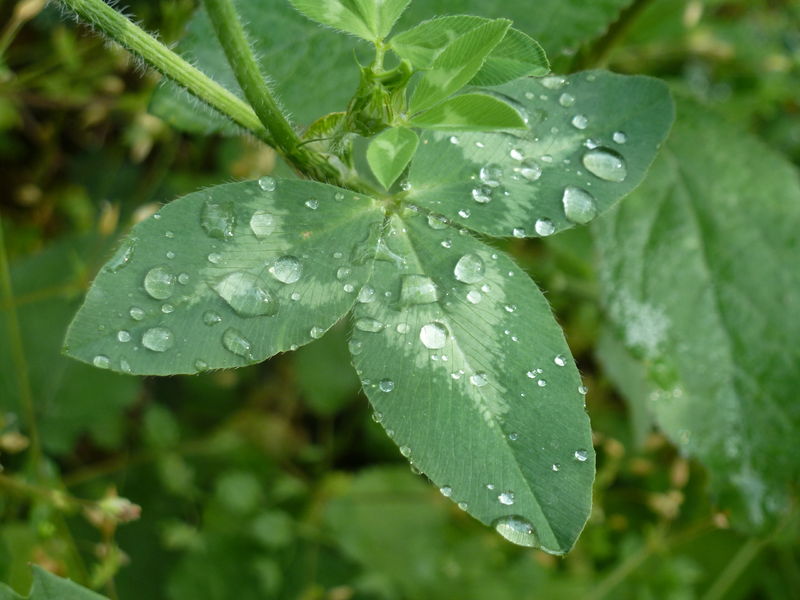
{"x":470,"y":112}
{"x":390,"y":152}
{"x":470,"y":374}
{"x":228,"y":276}
{"x":591,"y":138}
{"x":457,"y":64}
{"x":365,"y":18}
{"x":421,"y":45}
{"x":518,"y":55}
{"x":47,"y":586}
{"x":700,"y":282}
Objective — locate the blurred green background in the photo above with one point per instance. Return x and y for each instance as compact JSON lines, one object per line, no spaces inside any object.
{"x":273,"y":481}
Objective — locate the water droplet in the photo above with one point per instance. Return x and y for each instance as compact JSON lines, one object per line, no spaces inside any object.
{"x":211,"y":318}
{"x":246,"y":294}
{"x":124,"y":336}
{"x":436,"y":222}
{"x":516,"y":154}
{"x":447,"y":244}
{"x":366,"y":295}
{"x":491,"y":175}
{"x":482,"y":194}
{"x":517,"y":531}
{"x":553,"y":82}
{"x":479,"y":379}
{"x":316,"y":332}
{"x":405,"y":185}
{"x":583,"y":390}
{"x":402,"y":328}
{"x":454,"y":139}
{"x":606,"y":164}
{"x":262,"y":224}
{"x":544,"y":227}
{"x":158,"y":339}
{"x":529,"y":169}
{"x":295,"y":296}
{"x":418,"y":289}
{"x":510,"y":308}
{"x":506,"y":498}
{"x":560,"y":360}
{"x":170,"y":254}
{"x":159,"y":283}
{"x":386,"y":385}
{"x":377,"y":417}
{"x":489,"y":486}
{"x":267,"y":184}
{"x":286,"y":269}
{"x":122,"y":256}
{"x":215,"y":258}
{"x":136,"y":313}
{"x":355,"y":346}
{"x":235,"y":342}
{"x":124,"y":366}
{"x":200,"y":365}
{"x":343,"y":273}
{"x":581,"y":455}
{"x":474,"y":296}
{"x":513,"y":437}
{"x":433,"y":335}
{"x":183,"y":278}
{"x":518,"y":232}
{"x":620,"y":137}
{"x":542,"y":383}
{"x":338,"y":196}
{"x":167,"y":308}
{"x":312,"y":203}
{"x":218,"y":218}
{"x":566,"y":100}
{"x":580,"y":122}
{"x":464,"y":213}
{"x":101,"y":361}
{"x":579,"y":205}
{"x":405,"y":451}
{"x":446,"y":491}
{"x":556,"y":467}
{"x":369,"y":325}
{"x":469,"y":269}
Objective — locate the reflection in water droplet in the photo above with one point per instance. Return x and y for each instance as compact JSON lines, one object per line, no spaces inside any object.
{"x":267,"y":184}
{"x":211,"y":318}
{"x":491,"y":175}
{"x":386,"y":385}
{"x":579,"y":205}
{"x":136,"y":313}
{"x":620,"y":137}
{"x":580,"y":122}
{"x":517,"y":531}
{"x":246,"y":294}
{"x":158,"y":339}
{"x":606,"y":164}
{"x":506,"y":498}
{"x":123,"y":255}
{"x":418,"y":289}
{"x":581,"y":455}
{"x":479,"y":379}
{"x":159,"y":283}
{"x":218,"y":218}
{"x":101,"y":361}
{"x":167,"y":308}
{"x":369,"y":325}
{"x":544,"y":227}
{"x":262,"y":224}
{"x":566,"y":100}
{"x":235,"y":342}
{"x":469,"y":269}
{"x":454,"y":140}
{"x":433,"y":335}
{"x":464,"y":213}
{"x":556,"y":467}
{"x":286,"y":269}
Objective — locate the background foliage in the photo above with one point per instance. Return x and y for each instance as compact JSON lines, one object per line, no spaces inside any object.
{"x":273,"y":480}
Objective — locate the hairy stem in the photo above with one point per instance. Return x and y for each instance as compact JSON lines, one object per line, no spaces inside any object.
{"x":121,"y":30}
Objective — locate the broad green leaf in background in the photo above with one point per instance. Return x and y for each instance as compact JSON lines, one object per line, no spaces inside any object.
{"x":470,"y":112}
{"x":591,"y":138}
{"x":517,"y":55}
{"x":47,"y":291}
{"x":228,"y":276}
{"x":47,"y":586}
{"x":365,"y":18}
{"x":700,"y":280}
{"x":390,"y":152}
{"x":470,"y":374}
{"x":457,"y":64}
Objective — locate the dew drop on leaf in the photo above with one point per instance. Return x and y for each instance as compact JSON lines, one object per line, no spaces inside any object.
{"x":201,"y":365}
{"x":474,"y":296}
{"x":566,"y":100}
{"x":122,"y":256}
{"x":386,"y":385}
{"x":579,"y":205}
{"x":312,"y":203}
{"x":469,"y":269}
{"x":218,"y":218}
{"x":235,"y":342}
{"x":136,"y":313}
{"x":479,"y":379}
{"x":124,"y":336}
{"x":245,"y":294}
{"x":101,"y":361}
{"x":366,"y":295}
{"x":620,"y":137}
{"x":418,"y":289}
{"x":158,"y":339}
{"x":316,"y":332}
{"x":491,"y":175}
{"x":435,"y":222}
{"x":211,"y":318}
{"x":215,"y":258}
{"x":544,"y":227}
{"x":581,"y":455}
{"x":517,"y":530}
{"x":482,"y":194}
{"x":580,"y":122}
{"x":518,"y":232}
{"x":267,"y":184}
{"x":506,"y":498}
{"x":369,"y":325}
{"x":516,"y":154}
{"x":606,"y":164}
{"x":286,"y":269}
{"x":183,"y":278}
{"x":529,"y":169}
{"x":262,"y":224}
{"x":433,"y":335}
{"x":159,"y":283}
{"x":446,"y":491}
{"x":553,"y":82}
{"x":355,"y":346}
{"x":405,"y":451}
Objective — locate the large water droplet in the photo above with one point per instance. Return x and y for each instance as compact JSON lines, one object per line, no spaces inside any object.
{"x":235,"y":342}
{"x":262,"y":224}
{"x":122,"y":256}
{"x":158,"y":339}
{"x":491,"y":175}
{"x":218,"y":218}
{"x":606,"y":164}
{"x":386,"y":385}
{"x":369,"y":325}
{"x":544,"y":227}
{"x":287,"y":269}
{"x":246,"y":294}
{"x":579,"y":205}
{"x":418,"y":289}
{"x":506,"y":498}
{"x":267,"y":184}
{"x":433,"y":335}
{"x":159,"y":283}
{"x":517,"y":531}
{"x":469,"y":269}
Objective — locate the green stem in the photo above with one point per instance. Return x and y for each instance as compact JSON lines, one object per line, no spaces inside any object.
{"x":117,"y":27}
{"x":746,"y":554}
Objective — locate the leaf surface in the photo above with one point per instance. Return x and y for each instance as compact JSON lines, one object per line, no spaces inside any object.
{"x":470,"y":374}
{"x":700,"y":283}
{"x":390,"y":152}
{"x":367,"y":19}
{"x":470,"y":112}
{"x":47,"y":586}
{"x":591,"y":138}
{"x":228,"y":276}
{"x":518,"y":55}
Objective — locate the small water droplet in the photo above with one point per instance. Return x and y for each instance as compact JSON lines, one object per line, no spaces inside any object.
{"x":446,"y":491}
{"x":433,"y":335}
{"x":124,"y":366}
{"x":262,"y":224}
{"x":167,"y":308}
{"x":579,"y":205}
{"x":386,"y":385}
{"x":124,"y":336}
{"x":513,"y":437}
{"x":474,"y":296}
{"x":369,"y":325}
{"x":183,"y":278}
{"x":211,"y":318}
{"x":366,"y":295}
{"x":560,"y":360}
{"x":286,"y":269}
{"x":556,"y":467}
{"x":566,"y":100}
{"x":235,"y":342}
{"x":402,"y":328}
{"x":158,"y":339}
{"x":454,"y":139}
{"x":491,"y":175}
{"x":405,"y":185}
{"x":201,"y":365}
{"x":606,"y":164}
{"x":267,"y":184}
{"x":518,"y":232}
{"x":516,"y":154}
{"x":316,"y":332}
{"x":580,"y":122}
{"x":464,"y":213}
{"x":215,"y":258}
{"x":479,"y":379}
{"x":101,"y":361}
{"x":553,"y":82}
{"x":338,"y":196}
{"x":506,"y":498}
{"x":447,"y":244}
{"x":355,"y":346}
{"x":544,"y":227}
{"x":405,"y":451}
{"x":247,"y":295}
{"x":510,"y":308}
{"x":469,"y":269}
{"x":583,"y":390}
{"x":620,"y":137}
{"x":312,"y":203}
{"x":122,"y":256}
{"x":436,"y":222}
{"x":418,"y":289}
{"x":517,"y":531}
{"x":529,"y":169}
{"x":377,"y":417}
{"x":581,"y":455}
{"x":136,"y":313}
{"x":218,"y":218}
{"x":482,"y":194}
{"x":170,"y":254}
{"x":542,"y":383}
{"x":159,"y":283}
